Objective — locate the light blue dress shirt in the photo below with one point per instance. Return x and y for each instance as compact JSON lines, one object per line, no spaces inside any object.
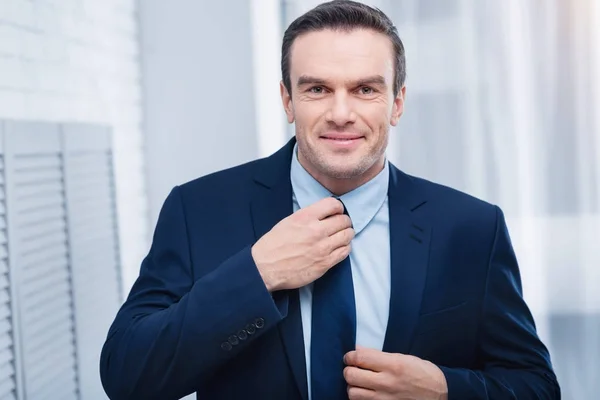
{"x":367,"y":206}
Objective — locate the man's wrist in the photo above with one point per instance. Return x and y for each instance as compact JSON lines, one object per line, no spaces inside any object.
{"x":443,"y":394}
{"x":441,"y":384}
{"x":268,"y":284}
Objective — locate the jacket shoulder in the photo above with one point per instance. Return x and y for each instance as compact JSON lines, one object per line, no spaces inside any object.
{"x":456,"y":205}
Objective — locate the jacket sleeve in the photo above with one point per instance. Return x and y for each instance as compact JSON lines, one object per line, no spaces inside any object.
{"x":516,"y":364}
{"x":172,"y":332}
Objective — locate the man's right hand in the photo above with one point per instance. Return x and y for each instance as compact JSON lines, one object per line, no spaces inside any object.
{"x":305,"y":245}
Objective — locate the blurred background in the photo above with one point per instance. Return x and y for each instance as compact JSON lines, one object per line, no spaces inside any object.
{"x":105,"y":105}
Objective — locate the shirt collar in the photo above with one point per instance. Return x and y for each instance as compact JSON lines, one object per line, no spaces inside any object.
{"x":362,"y":203}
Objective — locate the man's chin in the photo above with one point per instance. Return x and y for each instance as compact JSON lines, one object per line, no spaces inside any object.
{"x":342,"y":172}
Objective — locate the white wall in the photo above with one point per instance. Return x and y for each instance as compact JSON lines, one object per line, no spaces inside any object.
{"x":78,"y":60}
{"x":198,"y":90}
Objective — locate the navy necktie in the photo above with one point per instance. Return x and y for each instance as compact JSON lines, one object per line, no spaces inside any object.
{"x":333,"y":331}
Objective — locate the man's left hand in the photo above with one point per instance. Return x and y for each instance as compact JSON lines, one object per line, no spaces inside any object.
{"x":374,"y":374}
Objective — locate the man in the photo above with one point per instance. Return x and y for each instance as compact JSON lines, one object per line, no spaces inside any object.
{"x":323,"y":271}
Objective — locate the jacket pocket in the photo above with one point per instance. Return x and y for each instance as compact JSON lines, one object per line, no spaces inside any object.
{"x":444,"y":318}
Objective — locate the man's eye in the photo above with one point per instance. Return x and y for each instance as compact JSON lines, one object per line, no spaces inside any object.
{"x":366,"y":90}
{"x":316,"y":89}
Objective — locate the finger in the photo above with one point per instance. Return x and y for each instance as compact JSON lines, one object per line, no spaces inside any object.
{"x":363,"y":378}
{"x":338,"y":255}
{"x":340,"y":239}
{"x":358,"y":393}
{"x":325,"y":208}
{"x":366,"y":358}
{"x":336,"y":223}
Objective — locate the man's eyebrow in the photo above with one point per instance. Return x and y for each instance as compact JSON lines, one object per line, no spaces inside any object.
{"x":305,"y":80}
{"x":370,"y":80}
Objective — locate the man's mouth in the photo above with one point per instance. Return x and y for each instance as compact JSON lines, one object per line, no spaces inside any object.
{"x":342,"y":140}
{"x":341,"y":136}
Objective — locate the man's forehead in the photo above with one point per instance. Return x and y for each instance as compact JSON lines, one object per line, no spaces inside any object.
{"x":342,"y":55}
{"x":336,"y":39}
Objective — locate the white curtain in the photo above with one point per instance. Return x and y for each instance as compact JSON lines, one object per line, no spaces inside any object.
{"x":503,"y":102}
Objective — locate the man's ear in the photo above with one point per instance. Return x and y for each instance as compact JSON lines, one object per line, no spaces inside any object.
{"x":286,"y":99}
{"x":398,"y":107}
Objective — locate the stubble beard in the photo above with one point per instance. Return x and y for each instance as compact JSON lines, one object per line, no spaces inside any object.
{"x":345,"y":170}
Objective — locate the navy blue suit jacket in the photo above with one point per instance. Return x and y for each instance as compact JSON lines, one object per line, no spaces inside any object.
{"x":199,"y":317}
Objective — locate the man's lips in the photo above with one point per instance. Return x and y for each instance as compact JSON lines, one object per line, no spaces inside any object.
{"x":341,"y":136}
{"x":342,"y":141}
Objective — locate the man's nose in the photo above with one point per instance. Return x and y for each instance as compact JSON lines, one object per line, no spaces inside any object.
{"x":341,"y":111}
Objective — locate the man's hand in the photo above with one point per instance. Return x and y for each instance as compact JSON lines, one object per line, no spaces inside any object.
{"x":373,"y":374}
{"x":305,"y":245}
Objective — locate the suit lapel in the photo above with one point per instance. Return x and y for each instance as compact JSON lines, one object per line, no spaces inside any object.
{"x":409,"y":245}
{"x":271,"y":203}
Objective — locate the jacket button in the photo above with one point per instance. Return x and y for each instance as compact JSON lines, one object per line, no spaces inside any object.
{"x":226,"y":346}
{"x":242,"y":335}
{"x":250,"y":328}
{"x":259,"y":323}
{"x":233,"y":340}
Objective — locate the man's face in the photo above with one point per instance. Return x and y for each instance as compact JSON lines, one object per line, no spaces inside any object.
{"x":342,"y":101}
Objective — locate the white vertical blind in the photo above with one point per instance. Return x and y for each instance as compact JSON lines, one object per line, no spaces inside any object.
{"x":60,"y":283}
{"x":42,"y":271}
{"x":8,"y":379}
{"x":93,"y":245}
